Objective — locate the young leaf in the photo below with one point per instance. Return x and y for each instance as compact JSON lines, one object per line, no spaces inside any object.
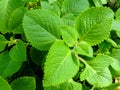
{"x":24,"y":83}
{"x":97,"y":72}
{"x":3,"y":42}
{"x":41,"y":28}
{"x":7,"y":7}
{"x":75,"y":6}
{"x":59,"y":66}
{"x":69,"y":35}
{"x":90,"y":23}
{"x":84,"y":48}
{"x":4,"y":84}
{"x":115,"y":66}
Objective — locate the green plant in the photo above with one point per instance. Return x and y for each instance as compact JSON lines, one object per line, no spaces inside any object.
{"x":59,"y":45}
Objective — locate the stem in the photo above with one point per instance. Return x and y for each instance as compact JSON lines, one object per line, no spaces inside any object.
{"x":81,"y":59}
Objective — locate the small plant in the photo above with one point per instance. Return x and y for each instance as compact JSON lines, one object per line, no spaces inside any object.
{"x":59,"y":45}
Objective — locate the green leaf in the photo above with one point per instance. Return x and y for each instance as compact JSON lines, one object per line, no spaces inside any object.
{"x":113,"y":86}
{"x":69,"y":85}
{"x":10,"y":62}
{"x":60,"y":65}
{"x":7,"y":7}
{"x":98,"y":3}
{"x":75,"y":6}
{"x":97,"y":72}
{"x":69,"y":19}
{"x":24,"y":83}
{"x":41,"y":28}
{"x":117,"y":14}
{"x":90,"y":23}
{"x":69,"y":35}
{"x":3,"y":42}
{"x":18,"y":52}
{"x":7,"y":65}
{"x":84,"y":48}
{"x":54,"y":7}
{"x":15,"y":20}
{"x":116,"y":25}
{"x":116,"y":64}
{"x":4,"y":84}
{"x":37,"y":56}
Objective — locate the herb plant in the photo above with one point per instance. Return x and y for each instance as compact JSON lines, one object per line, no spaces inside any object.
{"x":59,"y":44}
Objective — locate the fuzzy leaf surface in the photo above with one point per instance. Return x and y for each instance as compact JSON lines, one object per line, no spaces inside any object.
{"x":41,"y":28}
{"x":60,"y":66}
{"x":94,"y":24}
{"x":97,"y":72}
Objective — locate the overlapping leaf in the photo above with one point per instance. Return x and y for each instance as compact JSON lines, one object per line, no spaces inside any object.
{"x":116,"y":64}
{"x":3,"y":42}
{"x":94,"y":24}
{"x":4,"y":84}
{"x":7,"y":7}
{"x":75,"y":6}
{"x":70,"y":35}
{"x":69,"y":85}
{"x":60,"y":66}
{"x":97,"y":72}
{"x":11,"y":63}
{"x":24,"y":83}
{"x":41,"y":28}
{"x":84,"y":48}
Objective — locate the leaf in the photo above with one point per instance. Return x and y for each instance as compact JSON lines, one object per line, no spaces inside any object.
{"x":15,"y":20}
{"x":10,"y":62}
{"x":24,"y":83}
{"x":41,"y":28}
{"x":18,"y":52}
{"x":116,"y":64}
{"x":69,"y":85}
{"x":3,"y":42}
{"x":7,"y":7}
{"x":116,"y":25}
{"x":84,"y":48}
{"x":97,"y":72}
{"x":113,"y":86}
{"x":60,"y":66}
{"x":90,"y":23}
{"x":54,"y":7}
{"x":98,"y":3}
{"x":69,"y":19}
{"x":37,"y":56}
{"x":4,"y":84}
{"x":69,"y":35}
{"x":75,"y":6}
{"x":7,"y":65}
